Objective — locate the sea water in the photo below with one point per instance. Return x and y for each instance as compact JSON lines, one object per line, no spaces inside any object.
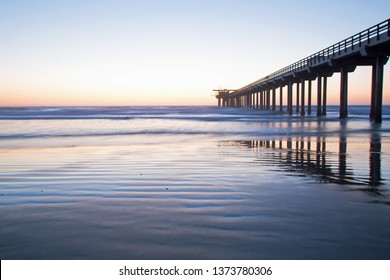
{"x":193,"y":183}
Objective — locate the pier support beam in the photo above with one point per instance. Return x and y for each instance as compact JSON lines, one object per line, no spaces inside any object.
{"x":261,"y":100}
{"x":273,"y":99}
{"x":289,"y":98}
{"x":324,"y":95}
{"x":343,"y":93}
{"x":377,"y":89}
{"x":264,"y":99}
{"x":268,"y":99}
{"x":297,"y":103}
{"x":373,"y":85}
{"x":302,"y":97}
{"x":319,"y":95}
{"x":309,"y":98}
{"x":281,"y":99}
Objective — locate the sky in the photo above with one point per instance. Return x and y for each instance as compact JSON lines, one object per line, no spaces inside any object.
{"x":148,"y":52}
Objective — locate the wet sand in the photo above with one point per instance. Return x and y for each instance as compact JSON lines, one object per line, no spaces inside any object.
{"x":196,"y":196}
{"x":203,"y":200}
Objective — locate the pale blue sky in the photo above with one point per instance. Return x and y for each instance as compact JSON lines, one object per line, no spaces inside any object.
{"x":161,"y":52}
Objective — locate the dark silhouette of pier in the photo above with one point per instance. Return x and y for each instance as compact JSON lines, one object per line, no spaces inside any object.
{"x":370,"y":47}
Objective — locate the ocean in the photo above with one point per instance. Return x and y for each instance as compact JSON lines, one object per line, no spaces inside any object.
{"x":193,"y":183}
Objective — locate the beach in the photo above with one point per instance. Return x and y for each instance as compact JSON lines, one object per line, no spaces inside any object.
{"x":193,"y":183}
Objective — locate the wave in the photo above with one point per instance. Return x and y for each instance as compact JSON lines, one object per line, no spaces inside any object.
{"x":46,"y":122}
{"x":151,"y":111}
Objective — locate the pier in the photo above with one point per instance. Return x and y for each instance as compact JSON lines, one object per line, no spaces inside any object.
{"x":370,"y":47}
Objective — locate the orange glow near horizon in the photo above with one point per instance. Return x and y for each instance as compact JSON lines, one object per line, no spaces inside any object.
{"x":106,"y":93}
{"x":113,"y":53}
{"x":30,"y":98}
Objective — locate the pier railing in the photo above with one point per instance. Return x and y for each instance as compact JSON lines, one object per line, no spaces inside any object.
{"x":340,"y":48}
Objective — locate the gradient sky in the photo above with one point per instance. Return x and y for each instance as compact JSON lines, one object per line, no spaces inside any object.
{"x":118,"y":52}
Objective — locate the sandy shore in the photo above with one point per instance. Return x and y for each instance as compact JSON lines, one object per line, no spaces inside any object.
{"x":287,"y":198}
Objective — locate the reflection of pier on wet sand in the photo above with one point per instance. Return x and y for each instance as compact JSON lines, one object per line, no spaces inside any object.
{"x":309,"y":156}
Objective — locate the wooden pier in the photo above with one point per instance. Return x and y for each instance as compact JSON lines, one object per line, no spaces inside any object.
{"x":370,"y":47}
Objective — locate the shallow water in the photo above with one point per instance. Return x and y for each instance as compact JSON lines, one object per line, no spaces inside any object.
{"x":192,"y":183}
